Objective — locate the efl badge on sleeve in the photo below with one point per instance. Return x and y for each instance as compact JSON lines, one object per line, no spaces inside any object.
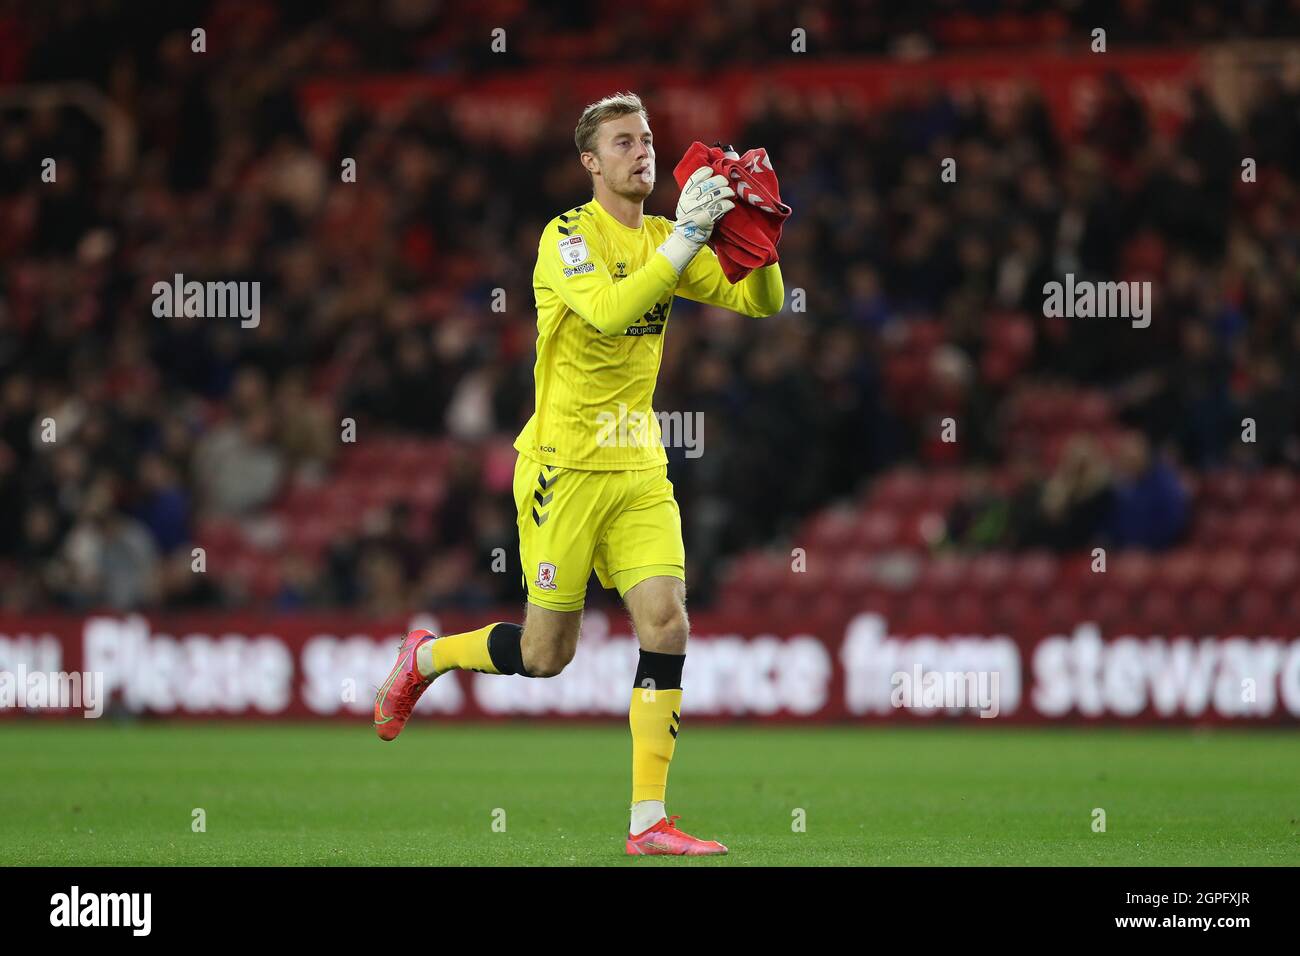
{"x":573,"y":250}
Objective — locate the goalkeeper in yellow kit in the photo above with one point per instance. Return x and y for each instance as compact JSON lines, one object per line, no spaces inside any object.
{"x":591,"y":487}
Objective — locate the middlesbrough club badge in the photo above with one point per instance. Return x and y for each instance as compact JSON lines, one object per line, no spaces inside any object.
{"x":545,"y":576}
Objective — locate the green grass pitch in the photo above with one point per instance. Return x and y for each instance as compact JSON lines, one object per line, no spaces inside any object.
{"x":105,"y":793}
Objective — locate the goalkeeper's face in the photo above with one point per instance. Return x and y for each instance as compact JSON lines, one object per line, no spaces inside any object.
{"x":626,"y":154}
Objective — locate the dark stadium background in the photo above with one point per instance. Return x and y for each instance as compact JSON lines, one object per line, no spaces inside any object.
{"x":920,"y":300}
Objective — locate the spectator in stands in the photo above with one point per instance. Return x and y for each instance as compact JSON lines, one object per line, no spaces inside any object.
{"x":341,"y":562}
{"x":447,"y":579}
{"x":1075,"y":499}
{"x":1027,"y":480}
{"x":981,"y":518}
{"x":1272,"y":403}
{"x":11,"y":501}
{"x":1148,"y":504}
{"x":393,"y":530}
{"x":164,"y":505}
{"x":304,"y":429}
{"x":383,"y":586}
{"x":40,"y":542}
{"x":298,"y":590}
{"x":110,"y":559}
{"x":181,"y":588}
{"x":239,"y":469}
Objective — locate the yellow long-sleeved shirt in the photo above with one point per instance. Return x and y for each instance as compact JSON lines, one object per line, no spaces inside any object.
{"x":603,"y":296}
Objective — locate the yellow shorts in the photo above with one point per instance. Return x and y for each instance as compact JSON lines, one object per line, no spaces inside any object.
{"x":623,"y":524}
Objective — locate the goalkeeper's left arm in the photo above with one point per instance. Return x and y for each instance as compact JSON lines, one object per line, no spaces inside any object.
{"x":760,"y":293}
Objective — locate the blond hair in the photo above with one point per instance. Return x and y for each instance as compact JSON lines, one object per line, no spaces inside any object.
{"x":611,"y":107}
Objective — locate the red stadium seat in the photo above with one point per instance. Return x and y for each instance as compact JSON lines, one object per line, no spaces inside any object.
{"x":1207,"y":613}
{"x":943,"y":488}
{"x":1230,"y":572}
{"x":1213,"y":527}
{"x":945,"y":573}
{"x":785,"y":604}
{"x":310,"y":536}
{"x":922,"y":529}
{"x":831,"y":530}
{"x":1249,"y":528}
{"x":829,"y":606}
{"x":427,"y":491}
{"x":1063,"y":609}
{"x":734,"y":602}
{"x":922,"y":611}
{"x":1131,"y":570}
{"x":1275,"y":488}
{"x":854,"y":575}
{"x":898,"y":490}
{"x":990,"y":572}
{"x":1257,"y":608}
{"x":1037,"y":571}
{"x":1109,"y":607}
{"x":1076,"y":571}
{"x":1278,"y":570}
{"x":1225,"y":487}
{"x":1090,"y":410}
{"x":1180,"y":571}
{"x":1160,"y":612}
{"x":759,"y":573}
{"x":878,"y":529}
{"x":1287,"y":528}
{"x":1011,"y":609}
{"x":219,"y":535}
{"x":815,"y":577}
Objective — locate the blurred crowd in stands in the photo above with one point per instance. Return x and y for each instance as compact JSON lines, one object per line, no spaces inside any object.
{"x":1133,"y":499}
{"x":86,"y":37}
{"x":376,"y":295}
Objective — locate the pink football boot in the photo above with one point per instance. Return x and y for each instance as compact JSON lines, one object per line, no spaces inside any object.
{"x":664,"y":839}
{"x":396,"y":699}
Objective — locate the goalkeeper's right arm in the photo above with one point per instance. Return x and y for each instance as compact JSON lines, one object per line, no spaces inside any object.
{"x":587,"y":289}
{"x":612,"y":307}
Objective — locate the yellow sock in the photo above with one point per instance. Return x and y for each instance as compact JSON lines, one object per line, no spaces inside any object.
{"x":464,"y":652}
{"x":655,"y":716}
